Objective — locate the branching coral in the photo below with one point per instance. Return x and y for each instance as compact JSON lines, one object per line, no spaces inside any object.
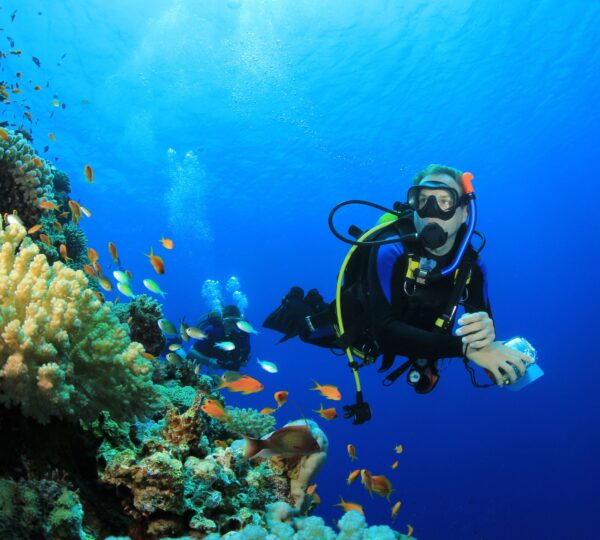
{"x":63,"y":352}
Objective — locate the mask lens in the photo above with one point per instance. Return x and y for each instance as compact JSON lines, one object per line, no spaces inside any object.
{"x":445,"y":198}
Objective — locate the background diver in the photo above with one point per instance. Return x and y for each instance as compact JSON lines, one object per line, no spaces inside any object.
{"x":401,"y":287}
{"x":227,"y":346}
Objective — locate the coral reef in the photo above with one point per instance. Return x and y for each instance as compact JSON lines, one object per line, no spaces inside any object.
{"x":186,"y":474}
{"x":142,"y":315}
{"x":25,"y":179}
{"x":282,"y":524}
{"x":63,"y":352}
{"x":250,"y":422}
{"x":42,"y":509}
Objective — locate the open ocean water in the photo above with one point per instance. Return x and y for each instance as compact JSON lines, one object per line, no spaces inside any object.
{"x":234,"y":126}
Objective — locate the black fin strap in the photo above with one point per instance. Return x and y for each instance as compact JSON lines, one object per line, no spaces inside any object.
{"x":391,"y":378}
{"x":387,"y":362}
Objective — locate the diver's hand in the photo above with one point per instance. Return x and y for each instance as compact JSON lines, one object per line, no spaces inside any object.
{"x":496,"y":357}
{"x":477,"y":330}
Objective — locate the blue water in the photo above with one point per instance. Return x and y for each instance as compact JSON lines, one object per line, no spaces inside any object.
{"x":289,"y":107}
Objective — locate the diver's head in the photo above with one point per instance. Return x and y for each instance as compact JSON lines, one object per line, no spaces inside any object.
{"x":437,"y":197}
{"x":231,"y":311}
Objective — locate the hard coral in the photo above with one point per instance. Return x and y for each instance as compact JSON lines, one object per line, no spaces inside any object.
{"x":63,"y":352}
{"x":24,"y":180}
{"x":143,"y":314}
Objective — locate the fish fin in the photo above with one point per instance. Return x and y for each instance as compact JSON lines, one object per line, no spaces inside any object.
{"x":317,"y":386}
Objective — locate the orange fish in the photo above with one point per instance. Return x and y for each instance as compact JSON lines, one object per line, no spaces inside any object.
{"x":105,"y":283}
{"x":316,"y":498}
{"x":398,"y":449}
{"x":37,"y":162}
{"x":311,"y":489}
{"x":99,"y":296}
{"x":367,"y":480}
{"x":47,"y":205}
{"x":395,"y":510}
{"x":89,"y":174}
{"x":34,"y":229}
{"x":352,"y":476}
{"x":52,"y":137}
{"x":381,"y":486}
{"x":351,"y":451}
{"x":89,"y":270}
{"x":328,"y":391}
{"x":213,"y":408}
{"x":92,"y":255}
{"x":44,"y":238}
{"x":37,"y":87}
{"x":4,"y":134}
{"x":167,"y":243}
{"x":63,"y":252}
{"x":75,"y":211}
{"x":220,"y":443}
{"x":157,"y":263}
{"x":245,"y":385}
{"x":148,"y":356}
{"x":98,"y":268}
{"x":395,"y":464}
{"x":128,"y":274}
{"x":328,"y":414}
{"x":347,"y":506}
{"x":410,"y":530}
{"x":58,"y":226}
{"x":267,"y":410}
{"x":113,"y":252}
{"x":16,"y":90}
{"x":281,"y":397}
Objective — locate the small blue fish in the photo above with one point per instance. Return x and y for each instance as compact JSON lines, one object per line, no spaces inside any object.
{"x":267,"y":366}
{"x":225,"y":345}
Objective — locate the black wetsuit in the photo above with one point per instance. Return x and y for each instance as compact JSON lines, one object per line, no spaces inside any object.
{"x":220,"y":330}
{"x":403,"y":324}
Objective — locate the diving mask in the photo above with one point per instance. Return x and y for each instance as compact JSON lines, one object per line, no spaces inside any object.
{"x":434,"y":200}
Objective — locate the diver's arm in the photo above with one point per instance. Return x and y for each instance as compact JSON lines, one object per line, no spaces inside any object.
{"x":478,"y":299}
{"x":406,"y":340}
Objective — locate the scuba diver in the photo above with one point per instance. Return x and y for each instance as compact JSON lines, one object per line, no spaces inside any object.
{"x":399,"y":289}
{"x":226,"y":346}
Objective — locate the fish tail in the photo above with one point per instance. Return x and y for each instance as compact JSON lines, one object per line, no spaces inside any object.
{"x":317,"y":386}
{"x":253,"y":447}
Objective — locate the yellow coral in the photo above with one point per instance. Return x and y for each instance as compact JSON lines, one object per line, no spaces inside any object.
{"x":62,"y":351}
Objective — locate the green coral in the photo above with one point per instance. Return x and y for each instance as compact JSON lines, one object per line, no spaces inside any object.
{"x":250,"y":422}
{"x":40,"y":509}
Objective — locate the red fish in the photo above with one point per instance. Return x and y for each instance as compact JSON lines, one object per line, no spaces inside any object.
{"x":89,"y":174}
{"x":288,"y":441}
{"x":113,"y":252}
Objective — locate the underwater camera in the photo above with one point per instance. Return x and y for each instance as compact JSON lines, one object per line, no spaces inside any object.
{"x":533,"y":372}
